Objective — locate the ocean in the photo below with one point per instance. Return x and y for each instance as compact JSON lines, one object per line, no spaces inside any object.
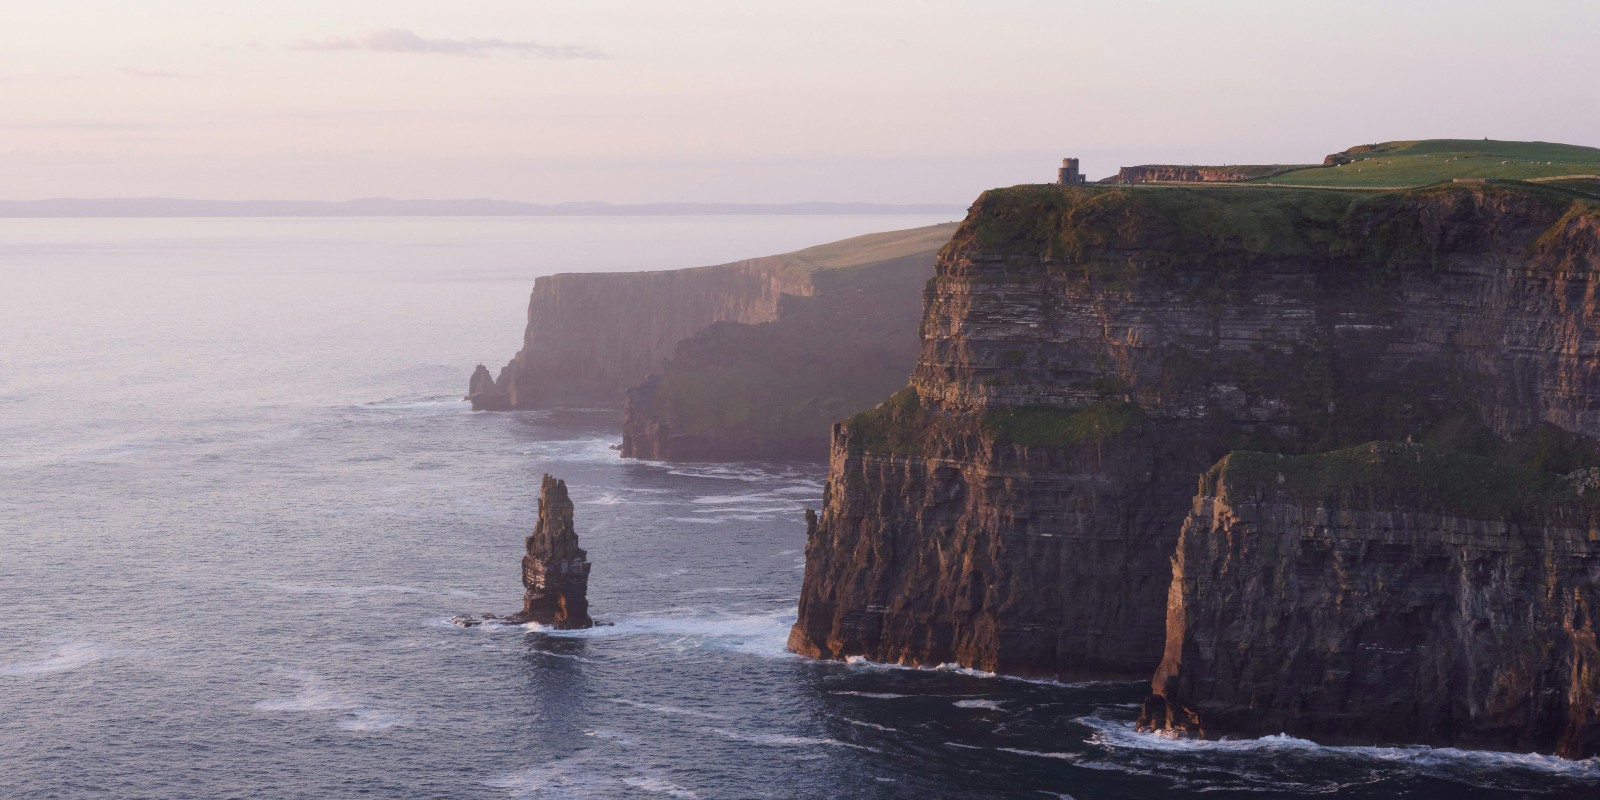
{"x":240,"y":497}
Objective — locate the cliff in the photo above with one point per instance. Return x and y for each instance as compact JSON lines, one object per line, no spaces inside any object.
{"x":591,"y":336}
{"x":1088,"y":351}
{"x":555,"y":570}
{"x":1383,"y":594}
{"x":774,"y":389}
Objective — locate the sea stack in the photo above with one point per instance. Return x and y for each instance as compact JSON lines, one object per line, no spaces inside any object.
{"x":555,"y":570}
{"x":484,"y":393}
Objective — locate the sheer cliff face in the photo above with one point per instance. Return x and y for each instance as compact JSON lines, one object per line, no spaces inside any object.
{"x":1088,"y":351}
{"x":773,"y":390}
{"x":592,"y":336}
{"x":1385,"y":594}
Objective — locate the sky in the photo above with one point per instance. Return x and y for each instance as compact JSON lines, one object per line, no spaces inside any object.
{"x":896,"y":101}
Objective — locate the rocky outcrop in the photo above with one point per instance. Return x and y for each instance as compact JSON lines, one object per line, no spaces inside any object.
{"x":592,"y":336}
{"x":773,"y":390}
{"x":555,"y":571}
{"x":483,"y":392}
{"x":1190,"y":173}
{"x":1385,"y":594}
{"x":1087,"y":351}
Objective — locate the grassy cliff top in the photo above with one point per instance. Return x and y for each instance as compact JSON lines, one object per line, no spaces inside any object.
{"x":871,"y":248}
{"x":1404,"y":475}
{"x":1224,"y":224}
{"x":857,"y":251}
{"x":1417,"y":163}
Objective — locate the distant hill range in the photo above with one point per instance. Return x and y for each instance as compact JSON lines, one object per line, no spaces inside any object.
{"x":1401,"y":164}
{"x":389,"y":207}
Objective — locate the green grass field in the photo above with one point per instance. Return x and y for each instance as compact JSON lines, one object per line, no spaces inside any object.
{"x":1433,"y":160}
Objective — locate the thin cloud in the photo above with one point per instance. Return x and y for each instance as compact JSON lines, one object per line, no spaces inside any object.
{"x":148,"y":73}
{"x":404,"y":41}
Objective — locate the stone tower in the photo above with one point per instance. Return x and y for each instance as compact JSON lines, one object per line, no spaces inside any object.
{"x":1068,"y":174}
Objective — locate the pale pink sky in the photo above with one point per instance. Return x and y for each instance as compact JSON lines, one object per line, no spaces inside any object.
{"x":745,"y":101}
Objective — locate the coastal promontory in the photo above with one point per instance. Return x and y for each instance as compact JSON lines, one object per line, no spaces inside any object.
{"x":1090,"y":351}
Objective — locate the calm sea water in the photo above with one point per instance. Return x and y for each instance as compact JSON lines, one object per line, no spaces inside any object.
{"x":240,"y":495}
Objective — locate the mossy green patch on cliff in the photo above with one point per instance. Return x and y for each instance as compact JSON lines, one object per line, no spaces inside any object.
{"x":896,"y":425}
{"x":1412,"y":476}
{"x":1050,"y":426}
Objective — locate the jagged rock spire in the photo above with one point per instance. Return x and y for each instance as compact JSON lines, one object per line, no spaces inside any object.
{"x":555,"y":571}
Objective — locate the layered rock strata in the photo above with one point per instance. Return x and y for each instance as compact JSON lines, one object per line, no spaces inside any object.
{"x":1087,"y":351}
{"x":592,"y":336}
{"x":555,"y":570}
{"x":1385,"y":594}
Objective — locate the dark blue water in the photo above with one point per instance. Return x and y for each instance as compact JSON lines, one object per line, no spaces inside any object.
{"x":239,"y":498}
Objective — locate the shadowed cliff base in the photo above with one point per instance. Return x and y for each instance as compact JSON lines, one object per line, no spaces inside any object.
{"x":747,"y":360}
{"x":1088,"y":351}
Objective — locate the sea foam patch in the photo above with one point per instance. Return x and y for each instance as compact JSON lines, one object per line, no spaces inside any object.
{"x":359,"y":714}
{"x":582,"y":776}
{"x":64,"y":658}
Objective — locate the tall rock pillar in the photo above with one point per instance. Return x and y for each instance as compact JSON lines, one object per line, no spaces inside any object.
{"x":555,"y":571}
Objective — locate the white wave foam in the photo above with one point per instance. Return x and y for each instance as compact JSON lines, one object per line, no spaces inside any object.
{"x":1480,"y":767}
{"x":438,"y":404}
{"x":577,"y":777}
{"x":785,"y":740}
{"x":875,"y":695}
{"x":611,"y":736}
{"x":670,"y":710}
{"x":361,"y":715}
{"x":592,"y":450}
{"x":748,"y":474}
{"x":962,"y":746}
{"x":565,"y":778}
{"x":65,"y":658}
{"x":991,"y":705}
{"x":1038,"y":754}
{"x":873,"y":725}
{"x":660,"y":786}
{"x":762,"y":634}
{"x":863,"y":662}
{"x":370,"y":720}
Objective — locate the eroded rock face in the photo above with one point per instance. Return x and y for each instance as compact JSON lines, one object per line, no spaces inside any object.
{"x":1088,"y":351}
{"x":1387,"y":594}
{"x":555,"y":571}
